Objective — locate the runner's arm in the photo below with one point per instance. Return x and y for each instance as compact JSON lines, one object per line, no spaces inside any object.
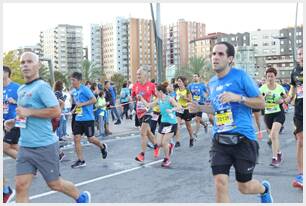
{"x":50,"y":112}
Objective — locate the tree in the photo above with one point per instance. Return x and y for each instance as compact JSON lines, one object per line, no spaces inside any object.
{"x":62,"y":76}
{"x":44,"y":73}
{"x":197,"y":65}
{"x":11,"y":60}
{"x":91,"y":71}
{"x":118,"y":80}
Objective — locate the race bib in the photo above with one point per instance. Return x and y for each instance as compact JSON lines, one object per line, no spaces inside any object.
{"x":224,"y":120}
{"x":5,"y":108}
{"x":79,"y":111}
{"x":299,"y":92}
{"x":21,"y":122}
{"x":271,"y":108}
{"x":197,"y":98}
{"x":167,"y":129}
{"x":181,"y":110}
{"x":155,"y":117}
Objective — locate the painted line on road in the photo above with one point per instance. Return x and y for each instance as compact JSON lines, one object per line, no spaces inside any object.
{"x":99,"y":178}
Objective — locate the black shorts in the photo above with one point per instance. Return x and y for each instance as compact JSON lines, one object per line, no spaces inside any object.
{"x":274,"y":117}
{"x":81,"y":127}
{"x":145,"y":119}
{"x":255,"y":110}
{"x":166,"y":128}
{"x":242,"y":156}
{"x":298,"y":122}
{"x":12,"y":137}
{"x":185,"y":116}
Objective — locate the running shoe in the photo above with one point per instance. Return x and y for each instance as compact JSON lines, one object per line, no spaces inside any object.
{"x":177,"y":144}
{"x":267,"y":196}
{"x":61,"y":156}
{"x":7,"y":197}
{"x":156,"y":151}
{"x":191,"y":141}
{"x":85,"y":197}
{"x":275,"y":162}
{"x":298,"y":182}
{"x":150,"y":145}
{"x":104,"y":151}
{"x":140,"y":157}
{"x":78,"y":164}
{"x":171,"y":148}
{"x":166,"y":162}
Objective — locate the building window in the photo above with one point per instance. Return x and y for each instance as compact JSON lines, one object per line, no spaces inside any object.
{"x":244,"y":37}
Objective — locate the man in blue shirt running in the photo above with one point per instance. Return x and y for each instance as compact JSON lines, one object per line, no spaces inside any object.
{"x":39,"y":149}
{"x":199,"y":93}
{"x":84,"y":119}
{"x":232,"y":94}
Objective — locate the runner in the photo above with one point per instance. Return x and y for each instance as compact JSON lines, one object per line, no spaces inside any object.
{"x":233,"y":93}
{"x":145,"y":89}
{"x":183,"y":96}
{"x":10,"y":140}
{"x":84,"y":120}
{"x":199,"y":93}
{"x":297,"y":92}
{"x":39,"y":149}
{"x":168,"y":124}
{"x":274,"y":114}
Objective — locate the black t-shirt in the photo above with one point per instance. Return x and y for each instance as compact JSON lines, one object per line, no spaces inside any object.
{"x":297,"y":82}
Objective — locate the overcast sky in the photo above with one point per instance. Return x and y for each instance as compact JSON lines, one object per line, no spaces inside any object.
{"x":22,"y":22}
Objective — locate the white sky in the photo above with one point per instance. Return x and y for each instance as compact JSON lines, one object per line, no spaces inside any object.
{"x":218,"y":17}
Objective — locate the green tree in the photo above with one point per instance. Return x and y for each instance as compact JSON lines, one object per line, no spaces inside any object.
{"x":44,"y":73}
{"x":118,"y":80}
{"x":197,"y":65}
{"x":91,"y":71}
{"x":62,"y":76}
{"x":11,"y":60}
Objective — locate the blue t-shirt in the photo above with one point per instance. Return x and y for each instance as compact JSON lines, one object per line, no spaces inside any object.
{"x":38,"y":131}
{"x":198,"y":91}
{"x":10,"y":91}
{"x":84,"y":94}
{"x":238,"y":82}
{"x":124,"y":95}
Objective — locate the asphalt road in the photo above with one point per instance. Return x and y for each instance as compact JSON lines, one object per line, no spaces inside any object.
{"x":120,"y":179}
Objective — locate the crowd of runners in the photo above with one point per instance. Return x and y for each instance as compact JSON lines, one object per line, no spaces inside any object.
{"x":35,"y":118}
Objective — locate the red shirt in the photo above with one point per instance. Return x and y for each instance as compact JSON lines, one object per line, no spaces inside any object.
{"x":146,"y":91}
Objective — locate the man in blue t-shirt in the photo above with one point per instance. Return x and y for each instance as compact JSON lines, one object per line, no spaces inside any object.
{"x":39,"y":148}
{"x":11,"y":138}
{"x":84,"y":119}
{"x":199,"y":93}
{"x":232,"y":94}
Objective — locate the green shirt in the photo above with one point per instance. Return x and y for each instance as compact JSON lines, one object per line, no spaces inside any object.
{"x":271,"y":97}
{"x":101,"y":103}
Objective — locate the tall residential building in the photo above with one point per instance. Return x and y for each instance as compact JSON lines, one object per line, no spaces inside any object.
{"x":245,"y":60}
{"x":177,"y":37}
{"x":115,"y":47}
{"x":96,"y":45}
{"x":202,"y":47}
{"x":142,"y":50}
{"x":286,"y":39}
{"x":265,"y":42}
{"x":237,"y":40}
{"x":64,"y":46}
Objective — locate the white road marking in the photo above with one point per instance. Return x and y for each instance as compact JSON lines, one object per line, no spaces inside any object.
{"x":99,"y":178}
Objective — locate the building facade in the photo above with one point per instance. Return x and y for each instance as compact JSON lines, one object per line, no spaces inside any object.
{"x":64,"y":46}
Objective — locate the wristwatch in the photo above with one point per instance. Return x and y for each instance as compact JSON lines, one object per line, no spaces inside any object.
{"x":242,"y":99}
